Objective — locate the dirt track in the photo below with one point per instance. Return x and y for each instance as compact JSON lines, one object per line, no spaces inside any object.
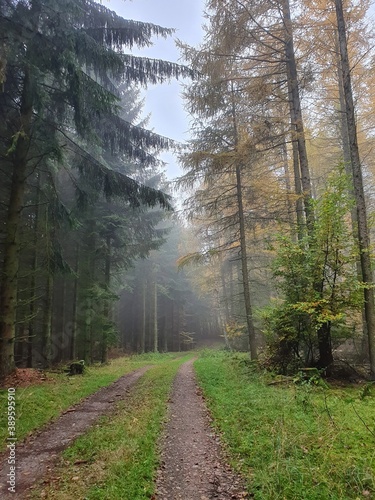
{"x":38,"y":454}
{"x":193,"y":466}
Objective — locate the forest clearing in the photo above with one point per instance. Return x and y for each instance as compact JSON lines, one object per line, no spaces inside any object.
{"x":297,"y":439}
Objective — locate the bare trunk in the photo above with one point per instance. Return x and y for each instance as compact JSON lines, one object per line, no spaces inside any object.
{"x":30,"y":336}
{"x":47,"y":322}
{"x":245,"y":270}
{"x":73,"y":335}
{"x":143,"y":326}
{"x":47,"y":313}
{"x":288,"y":185}
{"x":106,"y":308}
{"x":363,"y":232}
{"x":243,"y":249}
{"x":298,"y":132}
{"x":325,"y":346}
{"x":348,"y":169}
{"x":8,"y":293}
{"x":155,"y":316}
{"x":225,"y":292}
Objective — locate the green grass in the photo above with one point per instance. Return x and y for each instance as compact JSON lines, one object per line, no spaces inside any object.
{"x":37,"y":404}
{"x":291,"y":443}
{"x":117,"y":459}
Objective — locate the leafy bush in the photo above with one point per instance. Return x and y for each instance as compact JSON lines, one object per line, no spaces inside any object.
{"x":317,"y":278}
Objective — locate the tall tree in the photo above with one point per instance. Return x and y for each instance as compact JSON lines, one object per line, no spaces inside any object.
{"x":64,"y":98}
{"x":363,"y":231}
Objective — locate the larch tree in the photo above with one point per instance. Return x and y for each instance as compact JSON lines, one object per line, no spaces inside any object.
{"x":357,"y":175}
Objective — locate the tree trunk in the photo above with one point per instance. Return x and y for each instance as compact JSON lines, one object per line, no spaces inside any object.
{"x":47,"y":313}
{"x":106,"y":308}
{"x":363,"y":232}
{"x":143,"y":325}
{"x":30,"y":336}
{"x":223,"y":267}
{"x":288,"y":186}
{"x":47,"y":322}
{"x":155,"y":316}
{"x":243,"y":249}
{"x":298,"y":131}
{"x":8,"y":293}
{"x":73,"y":335}
{"x":245,"y":270}
{"x":348,"y":170}
{"x":325,"y":346}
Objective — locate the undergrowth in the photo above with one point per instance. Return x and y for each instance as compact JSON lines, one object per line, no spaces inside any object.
{"x":302,"y":441}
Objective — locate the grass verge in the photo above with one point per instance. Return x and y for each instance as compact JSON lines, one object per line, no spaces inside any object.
{"x":116,"y":460}
{"x":298,"y":442}
{"x":38,"y":404}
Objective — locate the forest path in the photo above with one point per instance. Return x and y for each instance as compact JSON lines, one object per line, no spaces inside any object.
{"x":40,"y":451}
{"x":193,"y":465}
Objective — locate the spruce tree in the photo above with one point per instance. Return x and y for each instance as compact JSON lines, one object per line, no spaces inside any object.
{"x":61,"y":65}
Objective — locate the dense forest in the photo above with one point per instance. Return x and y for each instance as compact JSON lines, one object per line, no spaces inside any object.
{"x":271,"y":253}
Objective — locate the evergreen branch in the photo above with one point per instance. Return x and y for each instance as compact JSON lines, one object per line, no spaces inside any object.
{"x":155,"y":70}
{"x":114,"y":183}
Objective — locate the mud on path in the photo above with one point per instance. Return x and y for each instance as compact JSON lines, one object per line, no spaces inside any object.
{"x":36,"y":455}
{"x":192,"y":463}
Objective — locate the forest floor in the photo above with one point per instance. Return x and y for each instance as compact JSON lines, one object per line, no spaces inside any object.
{"x":168,"y":432}
{"x":192,"y":464}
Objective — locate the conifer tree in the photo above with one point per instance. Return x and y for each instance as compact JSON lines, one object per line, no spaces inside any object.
{"x":64,"y":99}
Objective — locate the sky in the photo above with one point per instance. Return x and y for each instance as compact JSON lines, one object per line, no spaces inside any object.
{"x":164,"y":102}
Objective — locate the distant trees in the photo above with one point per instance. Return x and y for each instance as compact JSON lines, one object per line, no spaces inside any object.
{"x":160,"y":307}
{"x":65,"y":145}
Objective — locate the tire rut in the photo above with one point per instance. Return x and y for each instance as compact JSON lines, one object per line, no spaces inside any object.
{"x":38,"y":453}
{"x":193,"y":466}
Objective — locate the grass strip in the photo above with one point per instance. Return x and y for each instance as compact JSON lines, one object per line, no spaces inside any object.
{"x":298,"y":442}
{"x":118,"y":457}
{"x":38,"y":404}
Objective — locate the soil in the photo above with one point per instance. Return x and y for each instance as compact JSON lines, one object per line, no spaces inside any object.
{"x":37,"y":454}
{"x":23,"y":377}
{"x":193,"y":464}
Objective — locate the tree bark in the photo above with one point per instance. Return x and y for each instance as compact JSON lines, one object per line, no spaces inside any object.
{"x":47,"y":322}
{"x":348,"y":170}
{"x":223,"y":268}
{"x":363,"y":232}
{"x":243,"y":249}
{"x":8,"y":293}
{"x":155,"y":316}
{"x":73,"y":335}
{"x":47,"y":313}
{"x":245,"y":269}
{"x":143,"y":325}
{"x":106,"y":308}
{"x":288,"y":185}
{"x":324,"y":345}
{"x":298,"y":132}
{"x":30,"y":335}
